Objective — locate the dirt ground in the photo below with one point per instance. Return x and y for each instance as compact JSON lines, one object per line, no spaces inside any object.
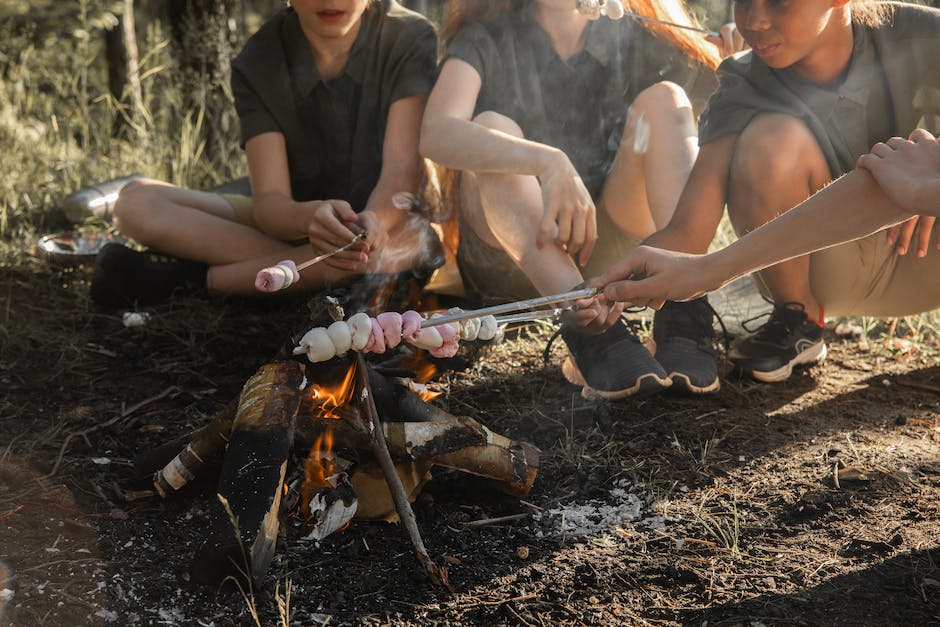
{"x":813,"y":502}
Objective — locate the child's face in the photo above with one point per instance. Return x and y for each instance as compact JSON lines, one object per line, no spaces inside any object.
{"x":329,"y":19}
{"x":784,"y":33}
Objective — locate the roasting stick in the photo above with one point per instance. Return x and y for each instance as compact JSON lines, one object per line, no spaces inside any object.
{"x":705,"y":31}
{"x":520,"y":305}
{"x":336,"y":251}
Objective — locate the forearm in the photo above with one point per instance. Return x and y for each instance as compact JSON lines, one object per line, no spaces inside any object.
{"x":465,"y":145}
{"x":281,"y":217}
{"x":850,"y":208}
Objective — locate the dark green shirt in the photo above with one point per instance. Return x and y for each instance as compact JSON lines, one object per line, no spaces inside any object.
{"x":334,"y":130}
{"x":891,"y":87}
{"x":580,"y":104}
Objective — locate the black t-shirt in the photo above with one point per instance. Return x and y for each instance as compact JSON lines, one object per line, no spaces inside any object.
{"x":334,"y":130}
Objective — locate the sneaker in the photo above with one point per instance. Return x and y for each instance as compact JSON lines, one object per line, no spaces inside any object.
{"x":611,"y":365}
{"x":789,"y":338}
{"x":124,"y":277}
{"x":685,"y":345}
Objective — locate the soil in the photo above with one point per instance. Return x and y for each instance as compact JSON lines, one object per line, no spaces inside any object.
{"x":811,"y":502}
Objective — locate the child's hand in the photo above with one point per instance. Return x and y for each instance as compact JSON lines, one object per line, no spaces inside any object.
{"x":569,"y":216}
{"x":593,"y":315}
{"x":648,"y":277}
{"x":334,"y":224}
{"x":900,"y":235}
{"x":908,"y":171}
{"x":728,"y":41}
{"x":376,"y":239}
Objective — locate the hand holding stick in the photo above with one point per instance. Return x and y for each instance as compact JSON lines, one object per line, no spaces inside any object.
{"x":286,"y":273}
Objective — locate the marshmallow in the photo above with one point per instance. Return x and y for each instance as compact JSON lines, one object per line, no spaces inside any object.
{"x":317,"y":344}
{"x":613,"y":9}
{"x":488,"y":328}
{"x":429,"y":337}
{"x":340,"y":336}
{"x":277,"y":277}
{"x":391,"y":326}
{"x":376,"y":343}
{"x":360,"y":326}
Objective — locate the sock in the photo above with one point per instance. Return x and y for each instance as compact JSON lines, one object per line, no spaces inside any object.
{"x":125,"y":277}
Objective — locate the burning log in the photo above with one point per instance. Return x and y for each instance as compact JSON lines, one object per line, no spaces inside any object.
{"x":243,"y":538}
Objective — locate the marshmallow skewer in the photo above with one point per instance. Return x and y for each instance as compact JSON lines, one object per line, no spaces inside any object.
{"x":496,"y":310}
{"x":336,"y":251}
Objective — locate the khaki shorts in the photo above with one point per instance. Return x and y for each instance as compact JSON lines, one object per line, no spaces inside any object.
{"x":867,"y":278}
{"x":490,"y":274}
{"x":244,"y":208}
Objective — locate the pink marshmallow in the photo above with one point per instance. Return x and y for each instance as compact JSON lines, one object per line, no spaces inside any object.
{"x":376,"y":342}
{"x":448,"y":348}
{"x":391,"y":322}
{"x":448,"y":332}
{"x":277,"y":277}
{"x":410,"y":323}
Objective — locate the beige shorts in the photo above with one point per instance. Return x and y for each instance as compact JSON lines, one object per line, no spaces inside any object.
{"x":867,"y":278}
{"x":490,"y":274}
{"x":244,"y":208}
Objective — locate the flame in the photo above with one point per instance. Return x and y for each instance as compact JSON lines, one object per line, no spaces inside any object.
{"x":331,"y":398}
{"x":319,"y":466}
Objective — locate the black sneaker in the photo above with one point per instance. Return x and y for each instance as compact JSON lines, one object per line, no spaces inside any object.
{"x":124,"y":277}
{"x":611,"y":365}
{"x":789,"y":338}
{"x":685,"y":345}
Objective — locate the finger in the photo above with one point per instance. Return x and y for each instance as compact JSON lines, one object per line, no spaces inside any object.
{"x":578,"y":232}
{"x":891,"y":235}
{"x":924,"y":229}
{"x":343,"y":210}
{"x":881,"y":149}
{"x":590,"y":238}
{"x":921,"y":135}
{"x":547,"y":229}
{"x":904,"y":236}
{"x":564,"y":227}
{"x":897,"y":143}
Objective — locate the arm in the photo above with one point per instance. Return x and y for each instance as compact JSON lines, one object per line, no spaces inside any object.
{"x":277,"y":213}
{"x":401,"y":165}
{"x":851,"y":208}
{"x":451,"y":138}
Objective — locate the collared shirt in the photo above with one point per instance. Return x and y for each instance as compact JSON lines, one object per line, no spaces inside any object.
{"x":579,"y":104}
{"x":334,"y":129}
{"x":891,"y":86}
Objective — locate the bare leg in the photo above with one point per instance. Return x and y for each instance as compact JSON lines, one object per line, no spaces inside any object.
{"x":656,"y":153}
{"x":505,"y":210}
{"x":199,"y":226}
{"x":777,"y":164}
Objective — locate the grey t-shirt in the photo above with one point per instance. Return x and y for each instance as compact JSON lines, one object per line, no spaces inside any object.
{"x":334,"y":129}
{"x":891,"y":87}
{"x":580,"y":104}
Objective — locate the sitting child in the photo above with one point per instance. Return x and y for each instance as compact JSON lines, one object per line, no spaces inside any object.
{"x":330,"y":102}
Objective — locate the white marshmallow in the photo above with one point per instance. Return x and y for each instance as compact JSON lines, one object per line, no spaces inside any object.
{"x":488,"y":328}
{"x":340,"y":336}
{"x":318,"y":345}
{"x":360,"y":327}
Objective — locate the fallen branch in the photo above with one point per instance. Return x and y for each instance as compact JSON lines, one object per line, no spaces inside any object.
{"x":437,"y":574}
{"x":124,"y":414}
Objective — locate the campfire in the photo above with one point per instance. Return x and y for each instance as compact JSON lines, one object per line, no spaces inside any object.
{"x":367,"y":438}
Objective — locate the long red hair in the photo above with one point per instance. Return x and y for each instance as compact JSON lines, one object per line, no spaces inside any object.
{"x":690,"y":43}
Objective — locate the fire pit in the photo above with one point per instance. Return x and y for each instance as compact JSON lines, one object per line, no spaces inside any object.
{"x":372,"y":441}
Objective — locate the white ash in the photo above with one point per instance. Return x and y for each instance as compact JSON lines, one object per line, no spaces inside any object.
{"x":594,"y":517}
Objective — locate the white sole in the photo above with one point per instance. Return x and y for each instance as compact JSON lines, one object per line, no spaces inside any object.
{"x":812,"y":355}
{"x":571,"y":372}
{"x":686,"y":385}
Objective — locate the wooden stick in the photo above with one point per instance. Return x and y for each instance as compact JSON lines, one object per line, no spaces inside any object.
{"x":529,"y":303}
{"x":437,"y":574}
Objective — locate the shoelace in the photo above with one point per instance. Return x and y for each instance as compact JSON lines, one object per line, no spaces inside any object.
{"x":630,"y":326}
{"x":775,"y":327}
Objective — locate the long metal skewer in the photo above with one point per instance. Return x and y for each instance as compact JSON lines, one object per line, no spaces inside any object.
{"x":531,"y":303}
{"x":318,"y":259}
{"x":673,"y":24}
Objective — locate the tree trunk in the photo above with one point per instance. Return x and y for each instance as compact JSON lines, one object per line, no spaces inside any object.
{"x":124,"y":74}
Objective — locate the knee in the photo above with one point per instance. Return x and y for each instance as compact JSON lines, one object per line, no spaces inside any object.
{"x":773,"y":152}
{"x":135,"y":206}
{"x":662,"y":96}
{"x":499,"y":122}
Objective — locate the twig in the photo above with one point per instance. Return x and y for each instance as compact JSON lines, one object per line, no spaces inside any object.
{"x":920,"y":386}
{"x":124,"y":414}
{"x":335,"y":251}
{"x":495,"y":521}
{"x":437,"y":574}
